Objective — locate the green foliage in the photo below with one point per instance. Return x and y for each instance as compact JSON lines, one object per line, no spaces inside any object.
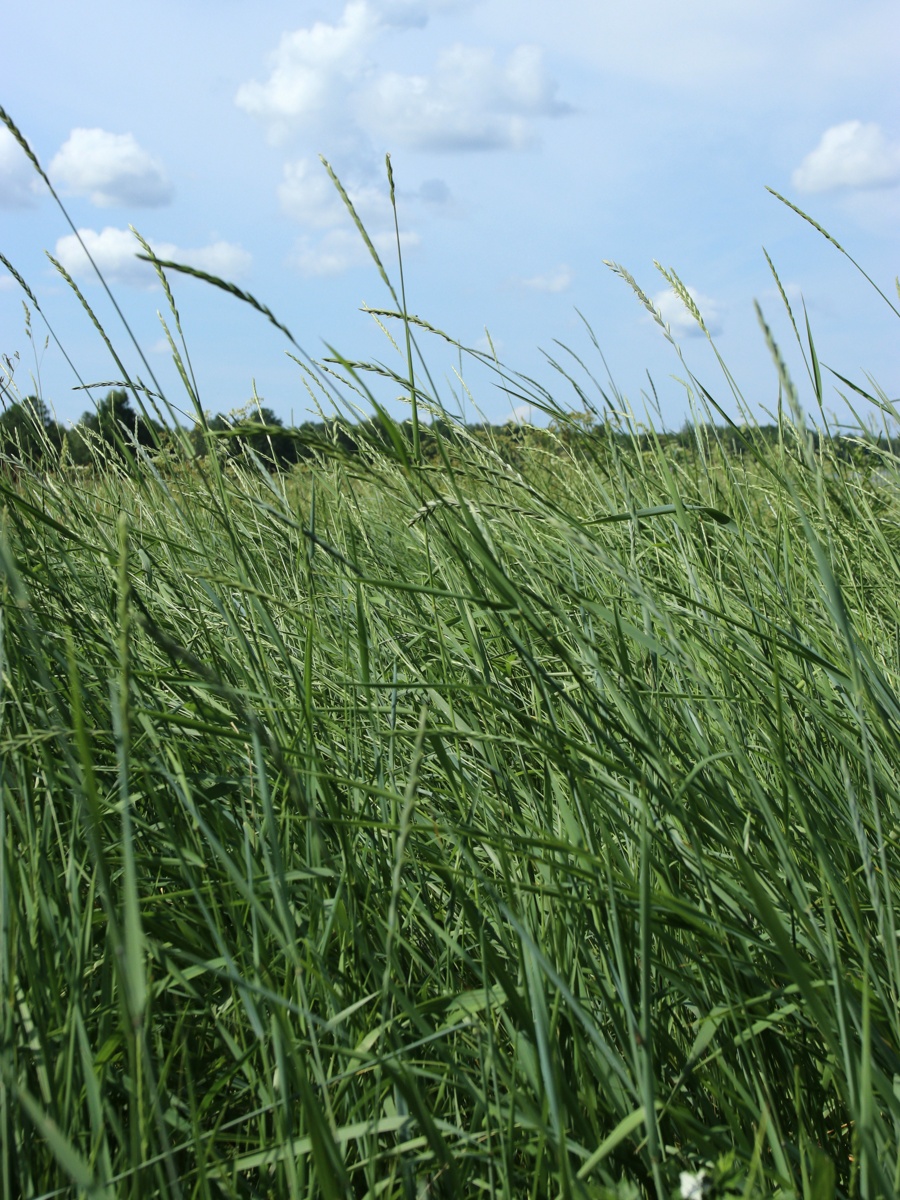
{"x":116,"y":426}
{"x":476,"y":812}
{"x":385,"y":830}
{"x":28,"y":434}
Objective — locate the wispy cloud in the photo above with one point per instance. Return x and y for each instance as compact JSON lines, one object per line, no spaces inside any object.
{"x":332,"y":245}
{"x":522,"y":414}
{"x":111,"y":169}
{"x":340,"y":249}
{"x":849,"y":155}
{"x":559,"y":280}
{"x":308,"y":195}
{"x":680,"y":320}
{"x":488,"y":344}
{"x":115,"y":250}
{"x":18,"y":181}
{"x":469,"y":102}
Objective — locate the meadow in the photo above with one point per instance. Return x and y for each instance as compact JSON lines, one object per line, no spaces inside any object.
{"x":460,"y":823}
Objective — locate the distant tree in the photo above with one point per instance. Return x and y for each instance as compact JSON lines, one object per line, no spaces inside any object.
{"x":28,"y":432}
{"x":214,"y":424}
{"x":276,"y":447}
{"x":254,"y":428}
{"x":117,"y":424}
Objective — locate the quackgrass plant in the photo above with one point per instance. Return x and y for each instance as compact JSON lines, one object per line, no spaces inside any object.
{"x":456,"y":816}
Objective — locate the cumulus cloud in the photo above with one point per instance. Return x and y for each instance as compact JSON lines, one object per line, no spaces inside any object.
{"x":225,"y":259}
{"x":324,"y":79}
{"x":313,"y":69}
{"x":324,"y":82}
{"x":111,"y":169}
{"x":470,"y":102}
{"x":559,"y":280}
{"x":308,"y":195}
{"x":18,"y":181}
{"x":680,"y":321}
{"x":850,"y":155}
{"x":114,"y":251}
{"x":340,"y":249}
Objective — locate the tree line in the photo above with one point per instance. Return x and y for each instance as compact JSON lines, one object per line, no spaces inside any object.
{"x":31,"y":437}
{"x":29,"y":434}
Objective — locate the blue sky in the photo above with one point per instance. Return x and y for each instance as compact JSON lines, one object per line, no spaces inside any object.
{"x":530,"y":144}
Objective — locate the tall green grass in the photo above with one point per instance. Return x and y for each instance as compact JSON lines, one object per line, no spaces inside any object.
{"x":455,"y":827}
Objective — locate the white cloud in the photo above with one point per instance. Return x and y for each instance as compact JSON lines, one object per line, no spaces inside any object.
{"x":489,"y":345}
{"x":793,"y":291}
{"x":114,"y":251}
{"x":219,"y":258}
{"x":559,"y":280}
{"x":522,"y":414}
{"x":313,"y":70}
{"x":324,"y":80}
{"x":337,"y":251}
{"x":468,"y":103}
{"x":680,"y":320}
{"x":850,"y":155}
{"x":308,"y":195}
{"x":18,"y":179}
{"x":341,"y":249}
{"x":110,"y":168}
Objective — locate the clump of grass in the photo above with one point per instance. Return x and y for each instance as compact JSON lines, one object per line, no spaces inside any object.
{"x":399,"y":829}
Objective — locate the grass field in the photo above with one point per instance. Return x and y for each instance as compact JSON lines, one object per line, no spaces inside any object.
{"x":454,"y":826}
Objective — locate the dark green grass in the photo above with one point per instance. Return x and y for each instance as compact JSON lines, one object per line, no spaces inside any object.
{"x":461,"y":827}
{"x":478,"y":844}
